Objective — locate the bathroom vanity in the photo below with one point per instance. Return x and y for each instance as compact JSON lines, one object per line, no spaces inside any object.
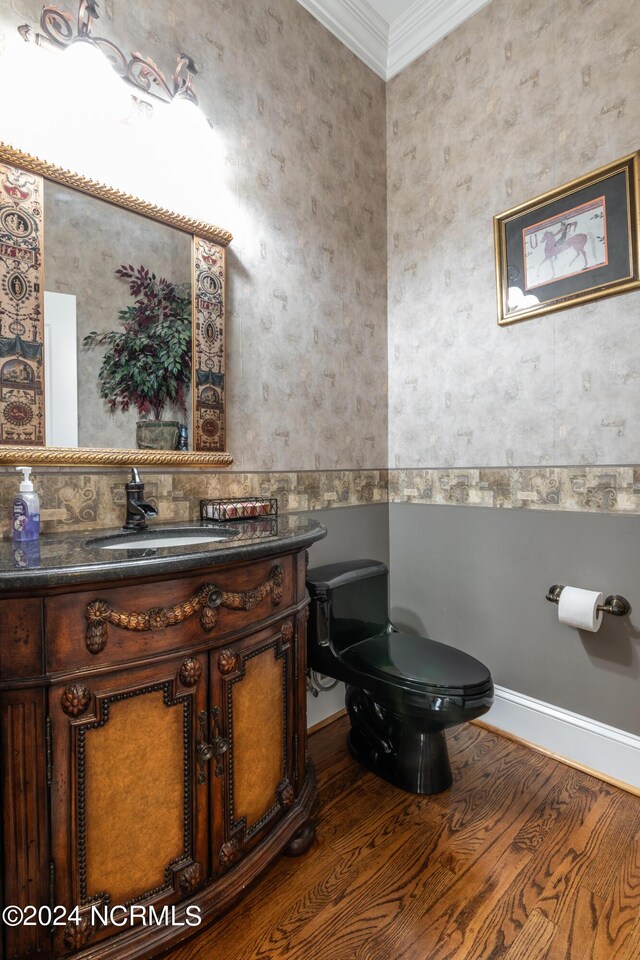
{"x":153,"y":717}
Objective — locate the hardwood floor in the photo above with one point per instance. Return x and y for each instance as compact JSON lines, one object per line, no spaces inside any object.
{"x":522,"y":859}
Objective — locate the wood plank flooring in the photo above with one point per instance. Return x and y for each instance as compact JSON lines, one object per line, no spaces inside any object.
{"x":522,"y":859}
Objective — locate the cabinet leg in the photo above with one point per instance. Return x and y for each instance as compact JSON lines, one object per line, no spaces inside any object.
{"x":302,"y":840}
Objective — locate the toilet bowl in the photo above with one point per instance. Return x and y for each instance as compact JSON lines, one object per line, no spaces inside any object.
{"x":403,"y":691}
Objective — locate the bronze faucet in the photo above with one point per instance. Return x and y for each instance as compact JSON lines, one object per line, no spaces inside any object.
{"x":138,"y":509}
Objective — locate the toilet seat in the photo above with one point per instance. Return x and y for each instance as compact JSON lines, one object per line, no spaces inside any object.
{"x":416,"y":664}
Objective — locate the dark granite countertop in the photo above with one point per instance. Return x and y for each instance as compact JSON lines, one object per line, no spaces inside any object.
{"x":77,"y":558}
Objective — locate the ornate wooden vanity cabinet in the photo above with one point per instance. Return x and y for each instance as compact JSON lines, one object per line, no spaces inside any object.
{"x":153,"y":748}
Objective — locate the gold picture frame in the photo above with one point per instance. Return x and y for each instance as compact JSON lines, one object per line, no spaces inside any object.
{"x":571,"y":245}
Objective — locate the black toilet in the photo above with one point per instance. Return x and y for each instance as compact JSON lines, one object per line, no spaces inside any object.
{"x":403,"y":691}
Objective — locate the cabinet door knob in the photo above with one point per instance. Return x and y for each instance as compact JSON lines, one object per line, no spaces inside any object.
{"x":220,"y":747}
{"x":217,"y":748}
{"x":205,"y":752}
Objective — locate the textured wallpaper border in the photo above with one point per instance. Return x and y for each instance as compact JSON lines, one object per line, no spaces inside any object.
{"x":587,"y":489}
{"x":87,"y":500}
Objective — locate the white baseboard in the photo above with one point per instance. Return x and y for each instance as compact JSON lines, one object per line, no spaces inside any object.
{"x":587,"y":744}
{"x":583,"y":742}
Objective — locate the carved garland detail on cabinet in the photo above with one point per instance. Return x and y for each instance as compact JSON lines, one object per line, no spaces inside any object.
{"x":190,"y":672}
{"x":77,"y":934}
{"x":230,"y":852}
{"x":249,"y":599}
{"x":190,"y":878}
{"x":21,"y":309}
{"x":227,"y":662}
{"x":99,"y":613}
{"x":286,"y":796}
{"x":75,"y":700}
{"x":103,"y":709}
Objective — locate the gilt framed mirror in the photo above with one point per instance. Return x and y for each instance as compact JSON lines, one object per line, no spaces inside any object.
{"x":84,"y":269}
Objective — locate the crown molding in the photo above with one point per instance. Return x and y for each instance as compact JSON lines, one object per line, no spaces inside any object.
{"x":421,"y":26}
{"x":388,"y":48}
{"x":358,"y":26}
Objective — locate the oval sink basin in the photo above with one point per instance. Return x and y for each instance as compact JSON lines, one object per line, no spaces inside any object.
{"x":177,"y":541}
{"x":157,"y":539}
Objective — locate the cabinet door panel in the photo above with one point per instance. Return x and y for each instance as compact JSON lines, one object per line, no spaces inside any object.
{"x":257,"y":713}
{"x":255,"y":690}
{"x":133,"y":793}
{"x":125,"y":798}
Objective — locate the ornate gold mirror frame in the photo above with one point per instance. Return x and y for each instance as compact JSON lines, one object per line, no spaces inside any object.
{"x":22,"y":328}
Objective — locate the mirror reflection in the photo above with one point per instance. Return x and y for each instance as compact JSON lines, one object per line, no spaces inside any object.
{"x":117,"y":311}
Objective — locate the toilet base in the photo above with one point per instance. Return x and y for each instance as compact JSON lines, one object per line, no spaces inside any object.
{"x":397,"y":748}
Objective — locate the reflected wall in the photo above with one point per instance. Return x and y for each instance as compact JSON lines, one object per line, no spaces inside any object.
{"x":85,"y":241}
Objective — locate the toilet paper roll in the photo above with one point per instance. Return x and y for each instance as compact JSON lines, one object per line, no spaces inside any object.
{"x":578,"y":608}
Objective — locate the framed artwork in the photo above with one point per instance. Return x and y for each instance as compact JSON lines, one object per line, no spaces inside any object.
{"x":574,"y":244}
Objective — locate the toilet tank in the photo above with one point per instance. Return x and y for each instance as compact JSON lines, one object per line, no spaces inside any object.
{"x":349,"y":602}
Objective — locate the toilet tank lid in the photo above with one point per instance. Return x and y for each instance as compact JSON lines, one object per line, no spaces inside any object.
{"x":321,"y":580}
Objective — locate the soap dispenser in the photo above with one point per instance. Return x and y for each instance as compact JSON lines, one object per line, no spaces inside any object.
{"x":25,"y":518}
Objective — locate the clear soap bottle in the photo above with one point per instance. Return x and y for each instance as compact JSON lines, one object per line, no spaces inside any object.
{"x":25,"y":515}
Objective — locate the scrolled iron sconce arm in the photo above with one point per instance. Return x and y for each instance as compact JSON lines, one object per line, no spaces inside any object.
{"x":58,"y":31}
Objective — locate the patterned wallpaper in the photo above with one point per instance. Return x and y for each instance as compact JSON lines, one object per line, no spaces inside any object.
{"x":521,"y":98}
{"x":301,"y":123}
{"x":473,"y":127}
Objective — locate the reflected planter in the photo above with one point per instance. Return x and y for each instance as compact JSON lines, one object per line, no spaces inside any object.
{"x":157,"y":434}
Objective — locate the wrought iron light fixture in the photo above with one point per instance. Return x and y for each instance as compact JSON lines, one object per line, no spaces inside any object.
{"x":61,"y":29}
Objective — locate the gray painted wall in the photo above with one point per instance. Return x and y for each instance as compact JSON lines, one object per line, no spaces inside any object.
{"x":353,"y":533}
{"x":476,"y":578}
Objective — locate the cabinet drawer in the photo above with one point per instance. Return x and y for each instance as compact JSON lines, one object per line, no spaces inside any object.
{"x":113,"y":625}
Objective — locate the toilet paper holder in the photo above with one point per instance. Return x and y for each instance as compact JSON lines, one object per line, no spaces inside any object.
{"x":616,"y":605}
